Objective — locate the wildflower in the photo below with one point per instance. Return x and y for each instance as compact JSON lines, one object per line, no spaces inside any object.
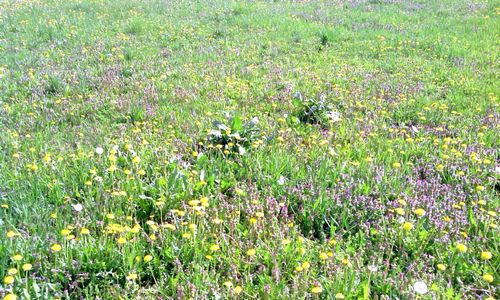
{"x":238,"y":289}
{"x":439,"y":168}
{"x":148,"y":258}
{"x":396,"y":165}
{"x":11,"y":234}
{"x":323,"y":256}
{"x":479,"y":188}
{"x":339,"y":296}
{"x":441,"y":267}
{"x":136,"y":160}
{"x":419,"y":212}
{"x":251,"y":252}
{"x":214,"y":247}
{"x":228,"y":284}
{"x":306,"y":265}
{"x":8,"y":279}
{"x":27,"y":267}
{"x":316,"y":290}
{"x":420,"y":287}
{"x":99,"y":150}
{"x":461,"y":248}
{"x":84,"y":231}
{"x":132,"y":276}
{"x":12,"y":271}
{"x":407,"y":226}
{"x":56,"y":247}
{"x":17,"y":257}
{"x":486,"y":255}
{"x":399,"y":211}
{"x":10,"y":297}
{"x":488,"y":278}
{"x":77,"y":207}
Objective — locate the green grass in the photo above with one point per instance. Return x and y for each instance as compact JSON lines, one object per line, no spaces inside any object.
{"x":207,"y":153}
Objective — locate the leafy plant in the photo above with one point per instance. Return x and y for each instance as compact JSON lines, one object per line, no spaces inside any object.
{"x":236,"y":137}
{"x":314,"y":111}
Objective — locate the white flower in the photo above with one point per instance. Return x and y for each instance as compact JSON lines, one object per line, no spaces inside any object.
{"x":372,"y":268}
{"x":401,"y":220}
{"x":333,"y":116}
{"x":281,"y":180}
{"x":99,"y":150}
{"x":77,"y":207}
{"x":420,"y":287}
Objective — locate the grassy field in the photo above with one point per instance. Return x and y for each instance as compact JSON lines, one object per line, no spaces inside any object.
{"x":221,"y":149}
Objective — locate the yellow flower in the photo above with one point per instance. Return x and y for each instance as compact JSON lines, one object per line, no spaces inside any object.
{"x":323,"y":256}
{"x":488,"y":278}
{"x":17,"y":257}
{"x":399,"y":211}
{"x":148,"y":258}
{"x":407,"y":226}
{"x":238,"y":289}
{"x":10,"y":297}
{"x":8,"y":279}
{"x":228,"y":284}
{"x":419,"y":212}
{"x":396,"y":165}
{"x":439,"y":168}
{"x":132,"y":276}
{"x":12,"y":271}
{"x":316,"y":289}
{"x":479,"y":188}
{"x":27,"y":267}
{"x":56,"y":247}
{"x":214,"y":247}
{"x":306,"y":265}
{"x":251,"y":252}
{"x":461,"y":248}
{"x":84,"y":231}
{"x":339,"y":296}
{"x":485,"y":255}
{"x":441,"y":267}
{"x":11,"y":234}
{"x":110,"y":216}
{"x":136,"y":159}
{"x":121,"y":240}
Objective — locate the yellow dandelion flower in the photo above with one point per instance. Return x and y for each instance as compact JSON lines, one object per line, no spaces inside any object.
{"x":27,"y":267}
{"x":316,"y":289}
{"x":461,"y":248}
{"x":396,"y":165}
{"x":10,"y":297}
{"x":56,"y":247}
{"x":486,"y":255}
{"x":441,"y":267}
{"x":407,"y":226}
{"x":488,"y":278}
{"x":132,"y":276}
{"x":339,"y":296}
{"x":238,"y":289}
{"x":8,"y":279}
{"x":323,"y":256}
{"x":148,"y":258}
{"x":419,"y":212}
{"x":214,"y":247}
{"x":17,"y":257}
{"x":12,"y":271}
{"x":251,"y":252}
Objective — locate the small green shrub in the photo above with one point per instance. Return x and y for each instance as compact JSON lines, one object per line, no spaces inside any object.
{"x":236,"y":137}
{"x":315,"y":111}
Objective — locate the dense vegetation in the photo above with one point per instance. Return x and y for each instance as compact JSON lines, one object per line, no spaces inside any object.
{"x":222,"y":149}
